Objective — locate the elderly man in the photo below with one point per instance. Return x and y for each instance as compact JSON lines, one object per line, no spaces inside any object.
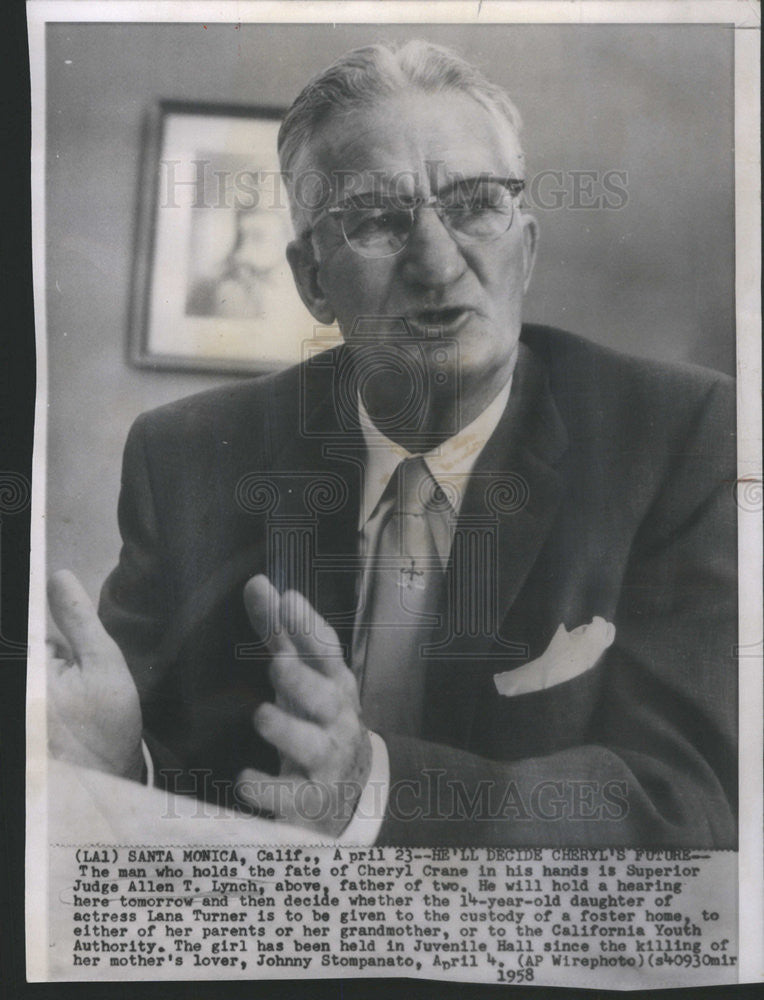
{"x":488,"y":570}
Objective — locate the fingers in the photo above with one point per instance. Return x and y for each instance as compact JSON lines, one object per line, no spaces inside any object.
{"x":306,"y":691}
{"x":316,"y":644}
{"x":303,"y":742}
{"x":289,"y":624}
{"x":263,"y":605}
{"x":298,"y":638}
{"x":76,"y":617}
{"x":313,"y":638}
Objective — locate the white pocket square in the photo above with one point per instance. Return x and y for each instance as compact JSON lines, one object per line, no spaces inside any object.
{"x":568,"y":655}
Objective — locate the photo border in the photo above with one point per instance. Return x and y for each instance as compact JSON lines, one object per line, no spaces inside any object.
{"x":744,"y":17}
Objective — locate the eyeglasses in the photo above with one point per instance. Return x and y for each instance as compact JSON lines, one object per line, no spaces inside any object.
{"x":475,"y":210}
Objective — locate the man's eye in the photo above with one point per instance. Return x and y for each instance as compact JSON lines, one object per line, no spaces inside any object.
{"x":477,"y":200}
{"x":369,"y":223}
{"x":473,"y":207}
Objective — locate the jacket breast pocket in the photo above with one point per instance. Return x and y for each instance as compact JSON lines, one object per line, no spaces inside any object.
{"x":539,"y":722}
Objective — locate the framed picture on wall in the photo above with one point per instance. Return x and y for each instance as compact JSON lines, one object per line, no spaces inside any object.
{"x":212,"y":289}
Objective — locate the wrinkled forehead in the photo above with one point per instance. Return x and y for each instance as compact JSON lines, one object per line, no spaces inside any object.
{"x":409,"y":144}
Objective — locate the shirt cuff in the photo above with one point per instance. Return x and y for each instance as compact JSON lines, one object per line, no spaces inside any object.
{"x":149,"y":764}
{"x":363,"y":829}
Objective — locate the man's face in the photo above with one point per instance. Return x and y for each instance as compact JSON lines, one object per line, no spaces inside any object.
{"x":416,"y":145}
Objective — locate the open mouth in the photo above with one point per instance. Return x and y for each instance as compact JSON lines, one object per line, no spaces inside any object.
{"x":440,"y":317}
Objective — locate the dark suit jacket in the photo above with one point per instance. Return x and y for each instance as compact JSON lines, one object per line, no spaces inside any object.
{"x":606,"y":489}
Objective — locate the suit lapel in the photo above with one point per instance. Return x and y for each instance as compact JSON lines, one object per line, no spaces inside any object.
{"x":517,"y":480}
{"x":510,"y":504}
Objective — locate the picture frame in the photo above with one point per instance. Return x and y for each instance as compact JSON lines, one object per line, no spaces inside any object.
{"x":211,"y":282}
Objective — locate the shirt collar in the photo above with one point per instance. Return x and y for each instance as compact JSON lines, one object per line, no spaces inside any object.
{"x":455,"y":456}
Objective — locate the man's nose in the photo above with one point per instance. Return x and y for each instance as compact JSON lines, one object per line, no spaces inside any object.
{"x":432,"y":257}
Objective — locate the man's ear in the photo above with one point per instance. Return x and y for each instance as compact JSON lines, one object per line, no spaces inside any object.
{"x":530,"y":242}
{"x":302,"y":260}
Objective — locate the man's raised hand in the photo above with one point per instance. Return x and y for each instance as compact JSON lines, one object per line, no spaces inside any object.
{"x":315,"y":722}
{"x":94,"y":716}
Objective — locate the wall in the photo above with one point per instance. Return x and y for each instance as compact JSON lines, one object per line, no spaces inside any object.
{"x":655,"y":277}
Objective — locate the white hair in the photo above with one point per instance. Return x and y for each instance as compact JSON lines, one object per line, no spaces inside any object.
{"x":363,"y":76}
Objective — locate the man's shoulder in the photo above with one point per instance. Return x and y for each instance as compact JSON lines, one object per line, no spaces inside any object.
{"x":585,"y":374}
{"x":563,"y":351}
{"x":244,"y":395}
{"x":248,"y":403}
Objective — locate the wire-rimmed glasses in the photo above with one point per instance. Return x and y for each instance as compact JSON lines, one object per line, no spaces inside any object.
{"x":475,"y":210}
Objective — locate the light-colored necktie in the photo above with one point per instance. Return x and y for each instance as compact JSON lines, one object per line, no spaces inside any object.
{"x":402,"y":596}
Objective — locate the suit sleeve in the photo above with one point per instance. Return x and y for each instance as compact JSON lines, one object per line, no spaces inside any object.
{"x":658,"y":767}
